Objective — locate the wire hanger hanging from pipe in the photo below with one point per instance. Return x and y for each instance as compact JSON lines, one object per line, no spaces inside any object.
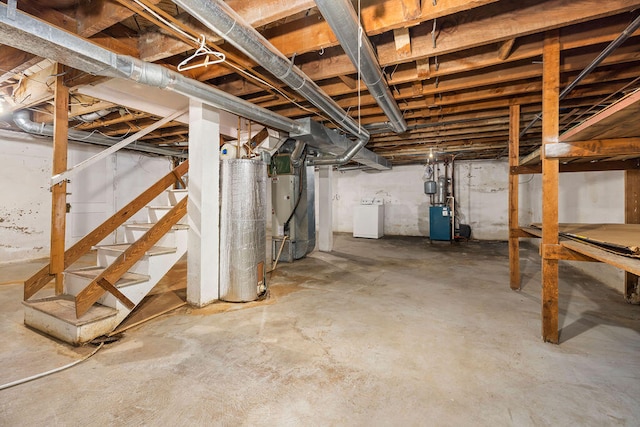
{"x":205,"y":51}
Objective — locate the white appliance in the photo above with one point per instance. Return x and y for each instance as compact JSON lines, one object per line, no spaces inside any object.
{"x":368,"y":219}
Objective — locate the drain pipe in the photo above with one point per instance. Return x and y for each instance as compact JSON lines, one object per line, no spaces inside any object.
{"x":22,"y":119}
{"x":223,"y":20}
{"x":601,"y":57}
{"x":344,"y":22}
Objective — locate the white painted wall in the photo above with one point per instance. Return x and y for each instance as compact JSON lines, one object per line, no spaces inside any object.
{"x":96,"y":192}
{"x":584,"y":197}
{"x":481,"y":187}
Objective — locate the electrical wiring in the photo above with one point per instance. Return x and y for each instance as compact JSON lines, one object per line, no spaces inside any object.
{"x":230,"y":64}
{"x":52,"y":371}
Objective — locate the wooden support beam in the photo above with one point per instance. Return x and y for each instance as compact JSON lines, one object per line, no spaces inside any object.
{"x":514,"y":156}
{"x":519,"y":232}
{"x":631,"y":216}
{"x":423,"y":68}
{"x":550,"y":174}
{"x":505,"y":49}
{"x":402,"y":40}
{"x":417,"y":88}
{"x":350,"y":82}
{"x":258,"y":138}
{"x":93,"y":17}
{"x":617,"y":165}
{"x":593,"y":148}
{"x":559,"y":252}
{"x":622,"y":262}
{"x":59,"y":191}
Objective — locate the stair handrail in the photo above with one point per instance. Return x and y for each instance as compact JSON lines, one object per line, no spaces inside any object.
{"x":71,"y":255}
{"x":106,"y":281}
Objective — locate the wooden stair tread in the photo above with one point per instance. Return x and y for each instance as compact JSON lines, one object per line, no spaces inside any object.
{"x":127,"y":278}
{"x":63,"y":307}
{"x":148,"y":225}
{"x":154,"y":250}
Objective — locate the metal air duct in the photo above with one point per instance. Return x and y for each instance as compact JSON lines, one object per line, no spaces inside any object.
{"x":39,"y":38}
{"x":343,"y":20}
{"x":223,"y":20}
{"x":22,"y":119}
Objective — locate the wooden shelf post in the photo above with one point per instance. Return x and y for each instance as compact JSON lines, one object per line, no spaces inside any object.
{"x":550,"y":174}
{"x":631,"y":216}
{"x":514,"y":159}
{"x":59,"y":191}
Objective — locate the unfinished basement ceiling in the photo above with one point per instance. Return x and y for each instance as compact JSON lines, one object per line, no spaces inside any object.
{"x":453,"y":67}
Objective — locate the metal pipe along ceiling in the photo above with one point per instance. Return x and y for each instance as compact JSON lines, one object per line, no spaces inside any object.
{"x":343,"y":20}
{"x":39,"y":38}
{"x":22,"y":119}
{"x":224,"y":21}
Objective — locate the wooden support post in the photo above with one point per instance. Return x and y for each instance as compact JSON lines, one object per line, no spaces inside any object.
{"x":550,"y":175}
{"x":631,"y":216}
{"x":59,"y":191}
{"x":514,"y":158}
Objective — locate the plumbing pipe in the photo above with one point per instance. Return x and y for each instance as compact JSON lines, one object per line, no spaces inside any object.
{"x":343,"y":20}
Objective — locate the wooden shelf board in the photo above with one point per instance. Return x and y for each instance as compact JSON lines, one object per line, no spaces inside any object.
{"x":619,"y":120}
{"x":632,"y":265}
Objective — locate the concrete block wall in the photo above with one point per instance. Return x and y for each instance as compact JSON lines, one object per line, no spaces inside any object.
{"x":96,"y":192}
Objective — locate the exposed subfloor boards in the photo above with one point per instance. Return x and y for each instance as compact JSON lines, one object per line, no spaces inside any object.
{"x":393,"y":330}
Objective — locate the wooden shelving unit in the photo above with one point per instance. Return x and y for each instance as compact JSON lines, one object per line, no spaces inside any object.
{"x":609,"y":140}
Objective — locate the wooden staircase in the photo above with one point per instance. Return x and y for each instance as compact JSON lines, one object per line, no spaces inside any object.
{"x":98,"y":298}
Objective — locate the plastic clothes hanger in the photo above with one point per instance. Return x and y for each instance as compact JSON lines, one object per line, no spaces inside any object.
{"x":203,"y":50}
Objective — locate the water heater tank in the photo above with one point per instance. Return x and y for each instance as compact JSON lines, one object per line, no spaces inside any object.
{"x":243,"y":225}
{"x":430,"y":187}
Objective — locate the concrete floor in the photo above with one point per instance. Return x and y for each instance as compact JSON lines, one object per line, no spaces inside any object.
{"x":388,"y":332}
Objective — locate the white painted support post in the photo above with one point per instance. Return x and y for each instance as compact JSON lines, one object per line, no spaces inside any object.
{"x":325,"y":211}
{"x":203,"y":248}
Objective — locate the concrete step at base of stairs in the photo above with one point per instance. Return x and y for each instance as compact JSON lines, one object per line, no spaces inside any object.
{"x":56,"y":316}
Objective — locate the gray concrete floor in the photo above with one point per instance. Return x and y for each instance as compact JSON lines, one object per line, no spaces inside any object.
{"x":379,"y":332}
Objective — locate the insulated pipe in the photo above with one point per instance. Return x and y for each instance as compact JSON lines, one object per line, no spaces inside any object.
{"x":624,"y":35}
{"x":39,"y":38}
{"x":92,"y":117}
{"x":22,"y":119}
{"x":344,"y":22}
{"x":223,"y":20}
